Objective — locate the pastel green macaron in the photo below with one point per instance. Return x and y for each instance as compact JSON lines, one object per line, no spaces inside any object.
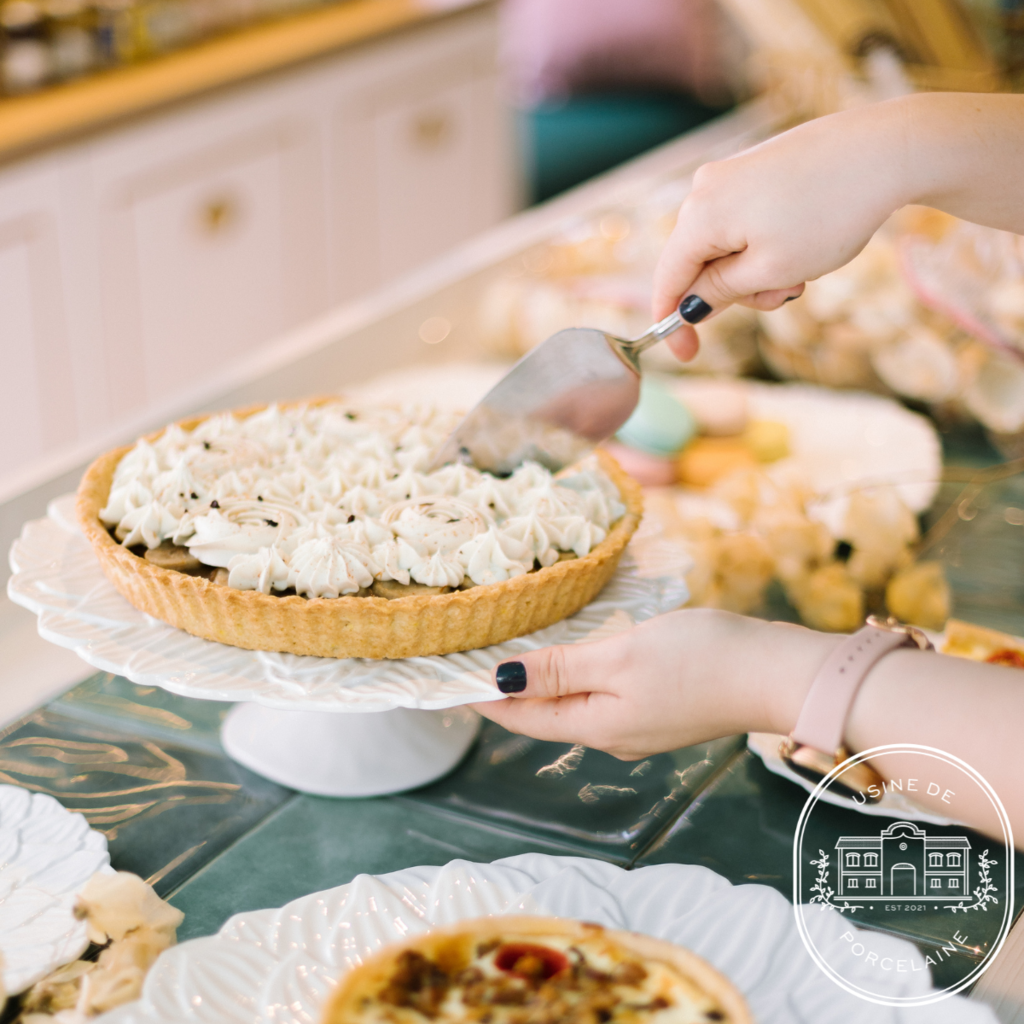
{"x":660,"y":424}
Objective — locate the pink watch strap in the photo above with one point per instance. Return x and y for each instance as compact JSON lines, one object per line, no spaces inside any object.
{"x":828,"y":702}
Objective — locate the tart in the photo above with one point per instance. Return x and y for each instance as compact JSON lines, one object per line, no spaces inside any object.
{"x":316,"y":529}
{"x":534,"y":970}
{"x":965,"y":640}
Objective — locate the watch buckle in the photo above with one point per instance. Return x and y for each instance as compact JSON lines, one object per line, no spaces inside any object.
{"x":814,"y":765}
{"x":892,"y":625}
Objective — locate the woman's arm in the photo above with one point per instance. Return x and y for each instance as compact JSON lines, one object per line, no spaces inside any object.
{"x":755,"y":227}
{"x":698,"y":674}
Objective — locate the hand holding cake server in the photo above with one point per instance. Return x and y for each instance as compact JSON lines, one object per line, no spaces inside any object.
{"x":752,"y":231}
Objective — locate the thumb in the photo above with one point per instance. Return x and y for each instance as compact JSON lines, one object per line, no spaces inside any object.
{"x":558,"y":671}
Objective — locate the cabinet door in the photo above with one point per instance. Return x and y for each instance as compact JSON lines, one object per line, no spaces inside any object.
{"x":37,"y":401}
{"x":209,"y":253}
{"x":422,"y":154}
{"x":435,"y":169}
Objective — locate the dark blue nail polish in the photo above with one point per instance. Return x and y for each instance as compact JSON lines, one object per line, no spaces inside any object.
{"x":511,"y":677}
{"x":693,"y":309}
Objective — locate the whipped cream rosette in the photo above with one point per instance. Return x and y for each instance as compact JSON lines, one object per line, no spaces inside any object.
{"x":318,"y":528}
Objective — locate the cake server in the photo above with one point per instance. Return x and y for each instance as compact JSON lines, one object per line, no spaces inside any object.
{"x":571,"y":392}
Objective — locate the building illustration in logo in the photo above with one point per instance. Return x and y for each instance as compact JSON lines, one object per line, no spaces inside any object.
{"x":903,"y":862}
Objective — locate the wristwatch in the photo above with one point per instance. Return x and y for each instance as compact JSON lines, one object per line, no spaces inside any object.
{"x":815,"y":746}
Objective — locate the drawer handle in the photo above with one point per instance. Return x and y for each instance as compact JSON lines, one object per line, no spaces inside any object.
{"x":432,"y":130}
{"x":218,"y":214}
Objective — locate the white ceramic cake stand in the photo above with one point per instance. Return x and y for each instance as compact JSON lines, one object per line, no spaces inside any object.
{"x":301,"y":721}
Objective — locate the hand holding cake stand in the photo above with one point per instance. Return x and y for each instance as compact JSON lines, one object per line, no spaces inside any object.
{"x":333,"y":727}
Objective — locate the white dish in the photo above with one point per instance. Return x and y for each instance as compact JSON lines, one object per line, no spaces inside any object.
{"x":287,"y":727}
{"x":277,"y":966}
{"x":892,"y":805}
{"x":842,"y":441}
{"x":47,"y":854}
{"x":57,"y":576}
{"x":839,"y":440}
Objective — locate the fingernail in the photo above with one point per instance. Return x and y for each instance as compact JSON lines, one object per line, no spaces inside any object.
{"x":693,"y":309}
{"x":511,"y":677}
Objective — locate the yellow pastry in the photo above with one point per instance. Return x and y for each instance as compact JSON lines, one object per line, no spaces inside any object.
{"x":919,"y":595}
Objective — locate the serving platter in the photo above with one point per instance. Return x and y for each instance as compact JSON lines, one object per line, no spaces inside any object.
{"x":840,"y":441}
{"x":843,"y":441}
{"x":277,"y":966}
{"x":47,"y":853}
{"x":300,"y":720}
{"x":57,"y":577}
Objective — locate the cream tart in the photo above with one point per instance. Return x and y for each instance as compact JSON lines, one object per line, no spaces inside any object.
{"x":316,"y":529}
{"x":534,"y":970}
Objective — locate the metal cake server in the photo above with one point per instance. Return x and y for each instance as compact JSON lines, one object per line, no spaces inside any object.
{"x":571,"y":392}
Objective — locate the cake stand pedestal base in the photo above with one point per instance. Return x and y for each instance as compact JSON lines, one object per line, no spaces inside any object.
{"x":349,"y":754}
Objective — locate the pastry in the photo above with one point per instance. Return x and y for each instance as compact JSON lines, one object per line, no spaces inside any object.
{"x":130,"y":926}
{"x":660,"y":424}
{"x":706,"y":460}
{"x":767,"y":440}
{"x":964,"y":640}
{"x":534,"y":970}
{"x":304,"y":510}
{"x":718,"y":404}
{"x":920,"y":595}
{"x":646,"y":469}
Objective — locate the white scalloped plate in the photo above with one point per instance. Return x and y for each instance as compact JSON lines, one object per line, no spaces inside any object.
{"x":47,"y":854}
{"x":57,"y":577}
{"x":893,"y":805}
{"x":843,"y":441}
{"x":840,"y":440}
{"x":277,"y":966}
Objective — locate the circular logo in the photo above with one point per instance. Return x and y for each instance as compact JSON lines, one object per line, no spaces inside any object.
{"x":905,"y":868}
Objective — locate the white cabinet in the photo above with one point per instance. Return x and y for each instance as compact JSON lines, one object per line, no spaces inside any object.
{"x":141,"y":267}
{"x":209,"y":255}
{"x":37,"y":398}
{"x":424,"y":129}
{"x":427,"y":197}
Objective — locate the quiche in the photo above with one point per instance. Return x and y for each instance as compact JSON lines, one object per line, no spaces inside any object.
{"x":965,"y":640}
{"x":319,"y":528}
{"x":534,"y":970}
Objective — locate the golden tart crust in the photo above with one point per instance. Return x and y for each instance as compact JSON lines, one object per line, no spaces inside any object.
{"x":353,"y":627}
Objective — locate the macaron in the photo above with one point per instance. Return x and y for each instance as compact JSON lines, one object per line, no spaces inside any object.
{"x":719,"y":405}
{"x":768,"y":440}
{"x":660,"y":425}
{"x":647,"y":470}
{"x":708,"y":459}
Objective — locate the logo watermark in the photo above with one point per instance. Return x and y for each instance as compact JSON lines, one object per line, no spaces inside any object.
{"x":923,"y":878}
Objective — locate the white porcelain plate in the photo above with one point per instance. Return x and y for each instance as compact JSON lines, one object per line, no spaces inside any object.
{"x":892,"y":805}
{"x":47,"y":854}
{"x":57,"y":576}
{"x":277,"y":966}
{"x":839,"y":440}
{"x":842,"y":441}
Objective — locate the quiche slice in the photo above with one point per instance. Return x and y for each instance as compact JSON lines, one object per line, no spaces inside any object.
{"x":319,"y":529}
{"x":534,"y":970}
{"x":965,"y":640}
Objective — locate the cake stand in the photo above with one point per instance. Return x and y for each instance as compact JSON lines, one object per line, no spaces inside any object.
{"x":331,"y":727}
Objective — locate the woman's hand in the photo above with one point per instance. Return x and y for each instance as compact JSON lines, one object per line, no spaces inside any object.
{"x":758,"y":225}
{"x":697,"y":674}
{"x":678,"y":679}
